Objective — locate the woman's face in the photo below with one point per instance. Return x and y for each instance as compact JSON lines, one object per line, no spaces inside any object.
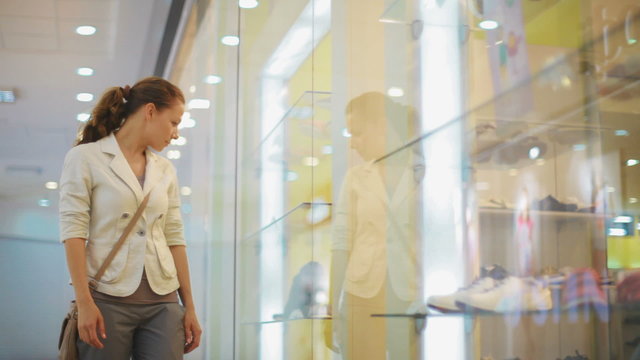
{"x":367,"y":138}
{"x":164,"y":125}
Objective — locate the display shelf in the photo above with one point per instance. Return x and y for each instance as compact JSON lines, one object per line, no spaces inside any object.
{"x":283,"y":321}
{"x":558,"y":215}
{"x":298,"y":209}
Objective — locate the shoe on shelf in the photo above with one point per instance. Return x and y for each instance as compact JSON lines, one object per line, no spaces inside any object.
{"x":488,"y":276}
{"x":510,"y":295}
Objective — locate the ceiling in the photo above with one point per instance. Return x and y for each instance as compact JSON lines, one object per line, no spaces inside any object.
{"x":39,"y":55}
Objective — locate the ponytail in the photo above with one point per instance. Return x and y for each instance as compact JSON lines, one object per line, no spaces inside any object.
{"x":117,"y":103}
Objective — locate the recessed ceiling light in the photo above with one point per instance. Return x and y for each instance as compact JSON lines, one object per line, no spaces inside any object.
{"x":395,"y":92}
{"x":231,"y":40}
{"x":187,"y":124}
{"x":185,"y":191}
{"x":248,"y":4}
{"x":213,"y":79}
{"x":199,"y":104}
{"x":311,"y":161}
{"x":173,"y":154}
{"x":84,"y":71}
{"x":488,"y":24}
{"x":84,"y":97}
{"x":632,"y":162}
{"x":83,"y":117}
{"x":86,"y":30}
{"x":51,"y":185}
{"x":180,"y":141}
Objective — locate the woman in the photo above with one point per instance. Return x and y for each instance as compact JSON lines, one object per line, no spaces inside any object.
{"x":134,"y":309}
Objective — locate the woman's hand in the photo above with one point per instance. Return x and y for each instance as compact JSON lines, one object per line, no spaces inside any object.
{"x":91,"y":324}
{"x":192,"y":331}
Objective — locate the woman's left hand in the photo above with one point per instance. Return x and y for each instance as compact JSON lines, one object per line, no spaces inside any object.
{"x":192,"y":331}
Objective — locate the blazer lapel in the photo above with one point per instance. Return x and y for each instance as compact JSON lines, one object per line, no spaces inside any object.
{"x":120,"y":166}
{"x":153,"y":172}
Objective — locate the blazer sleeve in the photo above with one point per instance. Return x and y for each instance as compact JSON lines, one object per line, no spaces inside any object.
{"x":173,"y":226}
{"x":75,"y":196}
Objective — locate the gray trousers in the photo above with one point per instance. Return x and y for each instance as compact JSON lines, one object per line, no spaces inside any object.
{"x":140,"y":332}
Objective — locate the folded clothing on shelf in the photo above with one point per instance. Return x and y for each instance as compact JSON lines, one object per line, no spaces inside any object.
{"x":509,"y":295}
{"x":582,"y":287}
{"x":488,"y":277}
{"x":550,"y":203}
{"x":629,"y":288}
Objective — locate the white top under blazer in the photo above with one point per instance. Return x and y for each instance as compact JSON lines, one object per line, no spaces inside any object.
{"x":99,"y":193}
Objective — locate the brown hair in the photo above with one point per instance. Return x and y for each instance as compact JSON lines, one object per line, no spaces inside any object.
{"x":117,"y":103}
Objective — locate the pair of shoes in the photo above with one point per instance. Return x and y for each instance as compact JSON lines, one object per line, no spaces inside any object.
{"x":487,"y":280}
{"x":510,"y":295}
{"x":578,"y":356}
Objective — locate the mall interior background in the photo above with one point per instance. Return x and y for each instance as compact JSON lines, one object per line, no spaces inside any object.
{"x":506,"y":130}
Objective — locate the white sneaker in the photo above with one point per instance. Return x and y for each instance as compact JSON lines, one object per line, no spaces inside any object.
{"x":512,"y":294}
{"x":447,"y":303}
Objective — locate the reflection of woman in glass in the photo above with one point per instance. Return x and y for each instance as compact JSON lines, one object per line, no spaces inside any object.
{"x":374,"y":247}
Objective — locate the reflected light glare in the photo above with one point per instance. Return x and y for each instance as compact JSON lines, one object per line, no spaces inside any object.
{"x":292,"y":176}
{"x":632,"y":162}
{"x":442,"y":282}
{"x":513,"y":172}
{"x":230,"y":40}
{"x":327,"y":149}
{"x":579,"y":147}
{"x":51,"y":185}
{"x":346,"y":133}
{"x":540,"y":162}
{"x":86,"y":30}
{"x":395,"y":92}
{"x":610,"y":189}
{"x":185,"y":191}
{"x":44,"y":202}
{"x":621,"y":132}
{"x":212,"y":79}
{"x":84,"y":97}
{"x":623,"y":219}
{"x":192,"y":89}
{"x":248,"y":4}
{"x":534,"y":152}
{"x":83,"y":117}
{"x":617,"y":232}
{"x":488,"y":25}
{"x":565,"y":81}
{"x":84,"y":71}
{"x":633,"y":201}
{"x":199,"y":104}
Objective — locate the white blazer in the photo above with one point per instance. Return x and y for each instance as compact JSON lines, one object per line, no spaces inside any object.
{"x":99,"y":193}
{"x":380,"y":232}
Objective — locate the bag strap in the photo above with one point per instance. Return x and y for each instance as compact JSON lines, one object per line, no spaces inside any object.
{"x":93,"y":284}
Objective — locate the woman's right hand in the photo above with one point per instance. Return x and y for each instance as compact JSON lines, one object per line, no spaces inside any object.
{"x":91,"y":324}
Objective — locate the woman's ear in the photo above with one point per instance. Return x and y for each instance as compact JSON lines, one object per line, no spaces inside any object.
{"x":149,"y":110}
